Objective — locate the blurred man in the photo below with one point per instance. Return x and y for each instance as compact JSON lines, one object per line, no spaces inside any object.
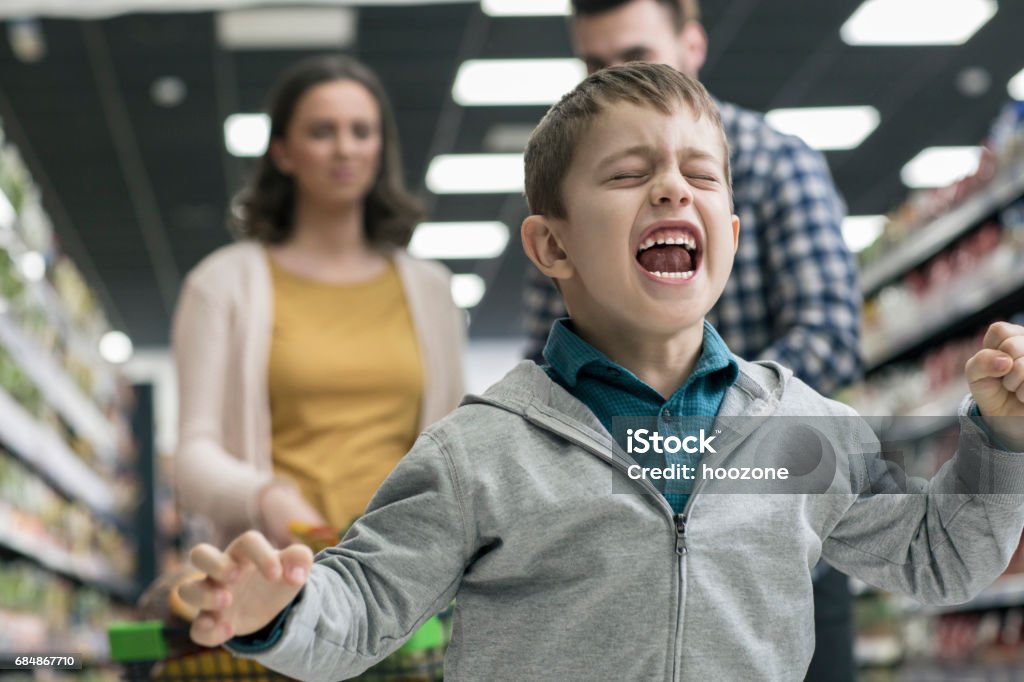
{"x":793,"y":296}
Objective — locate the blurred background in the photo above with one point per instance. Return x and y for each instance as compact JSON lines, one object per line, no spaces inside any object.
{"x":128,"y":125}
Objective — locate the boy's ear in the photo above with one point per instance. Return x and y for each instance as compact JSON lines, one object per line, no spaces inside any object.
{"x":279,"y":155}
{"x":544,"y":248}
{"x":735,"y":233}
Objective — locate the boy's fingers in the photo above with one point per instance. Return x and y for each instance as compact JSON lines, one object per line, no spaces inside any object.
{"x":296,"y":561}
{"x":213,"y":562}
{"x":208,"y":631}
{"x":987,"y":364}
{"x":999,"y":332}
{"x":1013,"y":379}
{"x":252,"y":546}
{"x":205,"y":595}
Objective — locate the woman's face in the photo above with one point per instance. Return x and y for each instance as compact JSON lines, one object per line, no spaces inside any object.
{"x":332,"y":145}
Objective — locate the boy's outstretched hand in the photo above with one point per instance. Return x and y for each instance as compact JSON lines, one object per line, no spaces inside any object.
{"x":995,"y":375}
{"x":247,"y":586}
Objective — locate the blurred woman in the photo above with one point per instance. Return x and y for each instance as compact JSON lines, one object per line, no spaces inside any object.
{"x":311,"y":352}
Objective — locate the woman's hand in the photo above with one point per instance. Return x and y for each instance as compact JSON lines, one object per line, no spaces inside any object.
{"x":279,"y":506}
{"x":246,"y":586}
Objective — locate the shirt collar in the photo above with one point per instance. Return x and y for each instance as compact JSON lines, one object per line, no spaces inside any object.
{"x":568,"y":355}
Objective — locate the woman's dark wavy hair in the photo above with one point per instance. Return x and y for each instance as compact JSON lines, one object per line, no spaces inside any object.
{"x":265,"y":208}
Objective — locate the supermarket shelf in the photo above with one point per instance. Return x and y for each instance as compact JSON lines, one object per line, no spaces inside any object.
{"x":928,"y":419}
{"x":41,"y":448}
{"x":1007,"y":591}
{"x":60,"y":391}
{"x":962,"y":672}
{"x":973,"y":296}
{"x":929,"y":240}
{"x":91,"y":571}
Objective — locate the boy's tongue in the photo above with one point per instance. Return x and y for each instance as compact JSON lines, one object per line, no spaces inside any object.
{"x":666,"y":258}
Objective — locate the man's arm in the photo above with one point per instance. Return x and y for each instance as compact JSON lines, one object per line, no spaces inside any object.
{"x":814,"y":297}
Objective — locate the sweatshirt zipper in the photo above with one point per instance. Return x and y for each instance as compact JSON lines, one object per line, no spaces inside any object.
{"x":680,"y":534}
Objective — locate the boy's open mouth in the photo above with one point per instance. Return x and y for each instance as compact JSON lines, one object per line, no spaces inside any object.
{"x":671,"y":252}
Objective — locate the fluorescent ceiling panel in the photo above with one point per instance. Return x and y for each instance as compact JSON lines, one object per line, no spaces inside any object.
{"x":525,"y":8}
{"x":467,"y":290}
{"x":861,"y":231}
{"x":247,"y":134}
{"x":515,"y":82}
{"x":917,"y":22}
{"x":476,"y":174}
{"x":826,"y":127}
{"x":940,"y":166}
{"x":1016,"y":86}
{"x":459,"y":240}
{"x":93,"y":9}
{"x":300,"y":28}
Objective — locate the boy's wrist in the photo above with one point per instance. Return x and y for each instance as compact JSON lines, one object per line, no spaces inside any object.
{"x":267,"y":636}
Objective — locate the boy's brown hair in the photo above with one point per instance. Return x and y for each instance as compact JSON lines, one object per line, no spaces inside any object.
{"x":553,"y":143}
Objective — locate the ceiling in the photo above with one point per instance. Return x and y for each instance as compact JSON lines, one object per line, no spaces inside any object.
{"x":138,"y":192}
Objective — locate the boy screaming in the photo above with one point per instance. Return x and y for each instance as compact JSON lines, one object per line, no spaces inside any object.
{"x":510,"y":506}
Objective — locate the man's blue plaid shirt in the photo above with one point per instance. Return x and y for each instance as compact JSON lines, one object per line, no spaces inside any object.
{"x":793,"y":295}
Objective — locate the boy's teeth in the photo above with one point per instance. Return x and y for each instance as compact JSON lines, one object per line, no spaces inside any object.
{"x":684,"y":240}
{"x":675,"y":275}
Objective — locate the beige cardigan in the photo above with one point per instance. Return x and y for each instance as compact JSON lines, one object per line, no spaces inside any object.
{"x":221,"y":338}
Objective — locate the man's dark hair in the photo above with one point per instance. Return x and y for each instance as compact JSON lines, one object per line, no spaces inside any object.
{"x":682,"y":11}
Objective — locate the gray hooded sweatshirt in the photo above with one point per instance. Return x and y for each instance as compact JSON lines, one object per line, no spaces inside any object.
{"x":563,"y":568}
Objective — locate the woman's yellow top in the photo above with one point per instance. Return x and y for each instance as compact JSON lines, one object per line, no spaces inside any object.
{"x":345,"y":382}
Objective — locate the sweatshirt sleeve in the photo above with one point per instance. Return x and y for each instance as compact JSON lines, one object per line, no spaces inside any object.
{"x":400,"y":564}
{"x":209,"y":480}
{"x":940,"y":541}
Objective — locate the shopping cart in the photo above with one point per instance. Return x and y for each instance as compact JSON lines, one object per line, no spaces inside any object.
{"x":160,"y":649}
{"x":152,"y":650}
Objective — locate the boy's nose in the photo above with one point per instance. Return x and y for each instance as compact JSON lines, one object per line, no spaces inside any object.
{"x":672,"y":188}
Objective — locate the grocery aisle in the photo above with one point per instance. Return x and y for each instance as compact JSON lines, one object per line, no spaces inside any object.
{"x":87,"y":519}
{"x":949,"y":263}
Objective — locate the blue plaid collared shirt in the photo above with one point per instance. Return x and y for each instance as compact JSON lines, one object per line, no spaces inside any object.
{"x":793,"y":295}
{"x":610,"y":391}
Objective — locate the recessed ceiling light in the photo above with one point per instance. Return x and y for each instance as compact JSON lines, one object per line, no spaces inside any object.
{"x":515,"y":82}
{"x":459,"y":240}
{"x":1016,"y":86}
{"x":116,"y":347}
{"x":168,"y":91}
{"x":973,"y":81}
{"x":467,"y":289}
{"x":476,"y":174}
{"x":940,"y":166}
{"x":826,"y":127}
{"x":520,"y":8}
{"x":301,"y":28}
{"x":247,"y":134}
{"x":861,"y":231}
{"x":25,"y":35}
{"x":917,"y":22}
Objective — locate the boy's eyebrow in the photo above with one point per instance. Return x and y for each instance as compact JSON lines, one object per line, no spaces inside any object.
{"x":649,"y":151}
